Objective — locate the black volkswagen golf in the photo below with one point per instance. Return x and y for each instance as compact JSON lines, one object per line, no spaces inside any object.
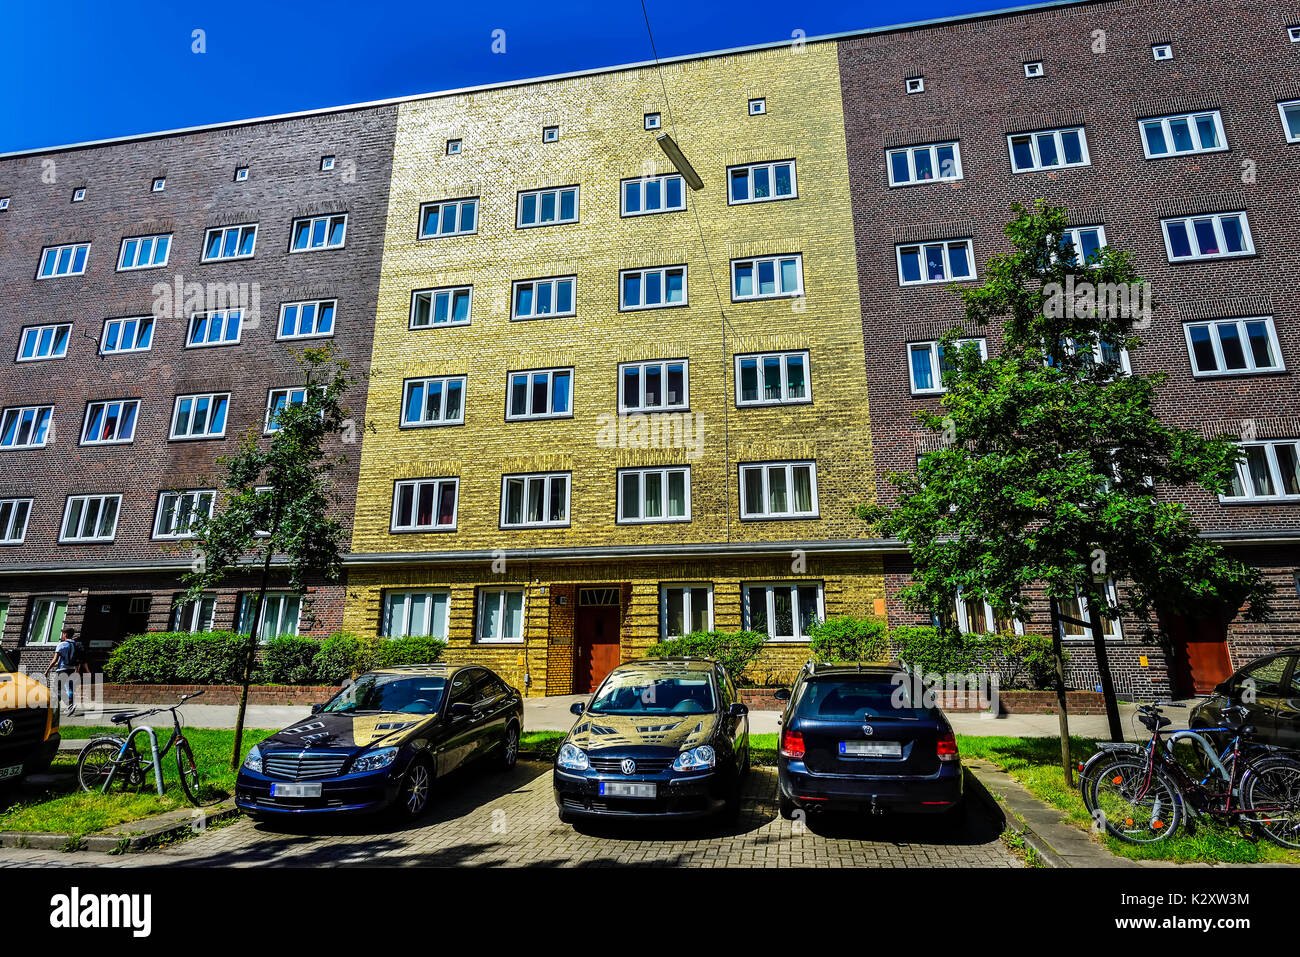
{"x":382,"y":741}
{"x":853,"y":737}
{"x":663,"y":738}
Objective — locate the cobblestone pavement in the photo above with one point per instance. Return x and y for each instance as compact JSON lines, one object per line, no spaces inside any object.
{"x":485,"y":818}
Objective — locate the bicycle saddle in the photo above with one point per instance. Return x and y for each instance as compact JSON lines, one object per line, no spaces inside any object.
{"x":1153,"y":721}
{"x":1235,"y":718}
{"x":124,"y":718}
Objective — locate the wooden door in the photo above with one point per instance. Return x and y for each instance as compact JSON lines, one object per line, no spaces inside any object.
{"x":596,"y":636}
{"x":1200,"y":651}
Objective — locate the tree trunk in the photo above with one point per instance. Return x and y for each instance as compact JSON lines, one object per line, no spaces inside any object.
{"x":1095,"y":606}
{"x":252,"y":646}
{"x":1062,"y":712}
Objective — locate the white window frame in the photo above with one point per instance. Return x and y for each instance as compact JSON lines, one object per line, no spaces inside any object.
{"x":753,"y":263}
{"x":327,"y":163}
{"x":223,"y":230}
{"x":194,"y":616}
{"x":1073,"y":235}
{"x":932,"y":347}
{"x":460,"y":216}
{"x":154,"y":240}
{"x":1071,"y":345}
{"x":512,"y":416}
{"x":1217,"y":218}
{"x":1282,"y":108}
{"x":309,"y":222}
{"x":499,"y":595}
{"x":688,"y":601}
{"x":642,"y":182}
{"x":288,"y":392}
{"x":195,"y":498}
{"x":53,"y":328}
{"x":947,"y":245}
{"x":433,"y":294}
{"x":159,"y":184}
{"x":550,"y":134}
{"x":1057,"y":138}
{"x":962,"y":611}
{"x":662,"y":272}
{"x":1162,"y":51}
{"x":538,"y":195}
{"x":12,"y":532}
{"x":1034,"y":69}
{"x":52,"y":631}
{"x":1165,"y":127}
{"x":527,"y":478}
{"x":1270,"y":447}
{"x":758,"y":106}
{"x":55,"y":251}
{"x":914,"y":84}
{"x":1112,"y":631}
{"x":1293,"y":34}
{"x":97,"y":535}
{"x":652,"y":121}
{"x":105,"y":404}
{"x":1216,"y":344}
{"x":227,"y":316}
{"x":241,"y":174}
{"x":641,"y":473}
{"x":772,"y":197}
{"x":318,"y":309}
{"x":767,"y":469}
{"x":438,"y":483}
{"x":172,"y":434}
{"x":398,"y":601}
{"x":43,"y":415}
{"x":665,"y":405}
{"x":933,"y":150}
{"x":442,"y":420}
{"x":767,"y":591}
{"x":454,"y":146}
{"x":554,"y":283}
{"x":282,"y":600}
{"x":140,"y":323}
{"x":784,"y":356}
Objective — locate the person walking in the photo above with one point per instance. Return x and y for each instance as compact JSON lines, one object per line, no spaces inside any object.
{"x":69,"y":660}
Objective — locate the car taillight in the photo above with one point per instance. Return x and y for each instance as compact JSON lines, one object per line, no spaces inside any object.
{"x":792,"y":744}
{"x":946,"y":747}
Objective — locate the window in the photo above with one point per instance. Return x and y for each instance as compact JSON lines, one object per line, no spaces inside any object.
{"x":79,"y":194}
{"x":415,"y":613}
{"x":110,"y":423}
{"x":90,"y":518}
{"x":241,"y":174}
{"x":758,"y":106}
{"x":133,"y":334}
{"x":1162,"y":51}
{"x":761,"y":182}
{"x":1103,"y":353}
{"x":14,"y":513}
{"x":453,"y":147}
{"x":200,"y":416}
{"x":923,"y":263}
{"x":783,"y":612}
{"x":25,"y":427}
{"x":924,"y":164}
{"x":319,"y":232}
{"x":1034,"y":69}
{"x":544,"y":207}
{"x":445,"y":306}
{"x":229,"y":242}
{"x":1077,"y":607}
{"x":915,"y":84}
{"x":778,"y":490}
{"x":1182,"y":134}
{"x":193,"y":616}
{"x":326,"y":163}
{"x":927,"y":363}
{"x":652,"y":121}
{"x":220,"y":328}
{"x":535,"y":500}
{"x":4,"y":203}
{"x":1233,"y":346}
{"x":144,"y":252}
{"x":280,"y":614}
{"x":774,"y":378}
{"x":654,"y":495}
{"x":1048,"y":149}
{"x":1268,"y":471}
{"x":1290,"y":112}
{"x":425,"y":505}
{"x":179,"y":512}
{"x":974,"y":617}
{"x":44,"y":342}
{"x":456,"y":217}
{"x":1294,"y":34}
{"x":550,"y":134}
{"x":1217,"y":236}
{"x":652,"y":288}
{"x":500,"y":614}
{"x":47,"y":620}
{"x":540,"y":394}
{"x":159,"y":184}
{"x":67,"y":260}
{"x":653,"y":386}
{"x":684,"y":609}
{"x":766,"y":278}
{"x":535,"y":298}
{"x":277,"y":400}
{"x":1083,"y":243}
{"x":653,"y":194}
{"x":434,"y":401}
{"x":307,"y":320}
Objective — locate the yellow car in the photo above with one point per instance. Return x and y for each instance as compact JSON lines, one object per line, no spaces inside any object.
{"x":29,"y":724}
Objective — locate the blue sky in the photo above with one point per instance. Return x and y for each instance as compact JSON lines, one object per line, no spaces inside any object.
{"x":78,"y":70}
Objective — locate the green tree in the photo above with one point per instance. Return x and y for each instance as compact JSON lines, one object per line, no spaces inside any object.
{"x":1049,"y":457}
{"x":278,"y":507}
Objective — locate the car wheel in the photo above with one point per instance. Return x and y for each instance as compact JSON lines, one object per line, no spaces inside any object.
{"x":786,"y":807}
{"x":417,"y":787}
{"x":510,"y":747}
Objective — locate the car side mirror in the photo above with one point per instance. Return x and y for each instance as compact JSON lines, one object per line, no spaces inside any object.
{"x":1224,"y":689}
{"x":738,"y":710}
{"x":577,"y":707}
{"x":459,"y":709}
{"x":782,"y":694}
{"x":317,"y":708}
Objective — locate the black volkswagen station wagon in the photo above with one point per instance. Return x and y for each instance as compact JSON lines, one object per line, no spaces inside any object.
{"x":853,"y":738}
{"x":662,"y":738}
{"x":381,"y":742}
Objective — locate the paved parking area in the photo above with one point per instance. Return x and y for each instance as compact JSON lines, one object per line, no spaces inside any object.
{"x":486,"y":818}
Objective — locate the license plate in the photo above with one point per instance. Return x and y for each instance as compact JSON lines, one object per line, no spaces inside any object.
{"x":295,"y":790}
{"x":626,"y":790}
{"x":7,"y":773}
{"x":871,"y":749}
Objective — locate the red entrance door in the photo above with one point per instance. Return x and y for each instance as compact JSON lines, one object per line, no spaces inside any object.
{"x":1200,"y":649}
{"x":596,"y":636}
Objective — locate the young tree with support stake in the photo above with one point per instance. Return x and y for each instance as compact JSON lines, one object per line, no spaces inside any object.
{"x":278,"y":503}
{"x":1050,"y":456}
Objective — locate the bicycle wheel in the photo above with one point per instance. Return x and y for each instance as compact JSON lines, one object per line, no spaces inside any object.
{"x":100,"y":757}
{"x":1093,"y":770}
{"x":188,"y":771}
{"x":1270,"y":795}
{"x":1137,"y":805}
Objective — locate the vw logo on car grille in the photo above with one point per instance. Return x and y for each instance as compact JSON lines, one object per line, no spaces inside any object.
{"x":628,"y":766}
{"x":7,"y":728}
{"x":868,"y":730}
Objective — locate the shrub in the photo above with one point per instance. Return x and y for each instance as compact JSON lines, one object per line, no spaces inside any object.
{"x":846,"y":638}
{"x":412,"y":650}
{"x":1017,"y":659}
{"x":167,"y":657}
{"x":734,"y":650}
{"x":289,"y":660}
{"x":340,"y":656}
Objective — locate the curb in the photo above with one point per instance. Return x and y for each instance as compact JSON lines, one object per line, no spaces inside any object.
{"x":124,"y":837}
{"x":1016,"y":825}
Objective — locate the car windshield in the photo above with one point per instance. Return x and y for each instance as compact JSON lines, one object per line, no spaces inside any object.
{"x":853,"y":698}
{"x":413,"y":694}
{"x":636,"y":691}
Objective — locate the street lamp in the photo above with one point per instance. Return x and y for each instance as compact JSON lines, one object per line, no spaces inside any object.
{"x":674,"y":153}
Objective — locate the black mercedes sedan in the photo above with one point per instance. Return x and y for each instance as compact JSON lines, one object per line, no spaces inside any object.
{"x":660,"y":738}
{"x":383,"y":741}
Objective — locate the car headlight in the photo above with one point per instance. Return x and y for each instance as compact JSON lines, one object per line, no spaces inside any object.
{"x":375,"y":760}
{"x":254,"y":760}
{"x":696,"y":759}
{"x":572,"y":758}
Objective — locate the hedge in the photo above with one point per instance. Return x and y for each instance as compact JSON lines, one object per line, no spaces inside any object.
{"x":1019,"y":660}
{"x":734,"y":650}
{"x":846,"y":638}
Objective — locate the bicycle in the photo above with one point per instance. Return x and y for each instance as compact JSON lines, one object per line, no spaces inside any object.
{"x":1143,"y":794}
{"x":108,"y":761}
